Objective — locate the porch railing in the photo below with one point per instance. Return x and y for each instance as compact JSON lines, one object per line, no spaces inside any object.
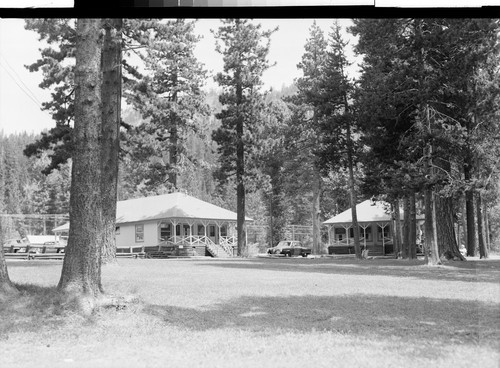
{"x":223,"y":249}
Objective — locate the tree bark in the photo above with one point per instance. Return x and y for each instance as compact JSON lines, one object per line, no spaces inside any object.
{"x":406,"y":227}
{"x":81,"y":272}
{"x":469,"y":213}
{"x":447,"y":244}
{"x":483,"y":251}
{"x":487,"y":228}
{"x":431,"y":247}
{"x":111,"y":116}
{"x":316,"y":212}
{"x":6,"y":285}
{"x":240,"y":173}
{"x":173,"y":142}
{"x":412,"y":245}
{"x":397,"y":230}
{"x":431,"y":242}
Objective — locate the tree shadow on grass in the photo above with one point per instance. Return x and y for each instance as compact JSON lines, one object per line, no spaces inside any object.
{"x":469,"y":271}
{"x":419,"y":319}
{"x":33,"y":308}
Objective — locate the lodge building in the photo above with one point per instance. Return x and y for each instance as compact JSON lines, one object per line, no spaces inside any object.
{"x":174,"y":220}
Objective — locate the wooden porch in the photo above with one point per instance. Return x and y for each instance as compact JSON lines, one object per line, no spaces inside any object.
{"x":185,"y":246}
{"x":376,"y":238}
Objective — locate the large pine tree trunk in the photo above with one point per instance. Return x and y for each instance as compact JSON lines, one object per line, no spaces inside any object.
{"x":111,"y":116}
{"x":447,"y":243}
{"x":316,"y":212}
{"x":483,"y":251}
{"x":173,"y":142}
{"x":487,"y":228}
{"x":412,"y":246}
{"x":406,"y":227}
{"x":397,"y":229}
{"x":469,"y":213}
{"x":445,"y":218}
{"x":431,"y":247}
{"x":431,"y":237}
{"x":81,"y":272}
{"x":5,"y":283}
{"x":240,"y":174}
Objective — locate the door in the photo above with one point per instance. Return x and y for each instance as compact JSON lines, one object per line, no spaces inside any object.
{"x":212,"y":233}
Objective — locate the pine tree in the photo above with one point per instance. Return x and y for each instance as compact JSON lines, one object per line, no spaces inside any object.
{"x":337,"y":122}
{"x":306,"y":124}
{"x":169,"y":97}
{"x":424,"y":69}
{"x":57,"y":66}
{"x":81,"y":273}
{"x":110,"y":130}
{"x":244,"y":48}
{"x":58,"y":69}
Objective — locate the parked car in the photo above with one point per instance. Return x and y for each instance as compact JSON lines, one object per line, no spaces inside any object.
{"x":290,"y":248}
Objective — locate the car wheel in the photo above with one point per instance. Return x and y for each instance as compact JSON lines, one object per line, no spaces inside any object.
{"x":304,"y":254}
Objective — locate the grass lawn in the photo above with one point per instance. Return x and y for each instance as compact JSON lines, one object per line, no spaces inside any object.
{"x":260,"y":313}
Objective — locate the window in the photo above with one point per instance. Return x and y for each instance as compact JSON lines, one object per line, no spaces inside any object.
{"x":187,"y":230}
{"x":367,"y":232}
{"x":178,"y":230}
{"x":139,"y":233}
{"x":362,"y":232}
{"x":223,"y":230}
{"x":201,"y":230}
{"x":339,"y":234}
{"x":117,"y":230}
{"x":165,"y":231}
{"x":211,"y":229}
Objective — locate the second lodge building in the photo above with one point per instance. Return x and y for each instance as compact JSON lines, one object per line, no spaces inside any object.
{"x":376,"y":229}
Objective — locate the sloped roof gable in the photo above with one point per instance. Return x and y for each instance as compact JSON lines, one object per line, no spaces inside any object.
{"x":173,"y":205}
{"x":367,"y":211}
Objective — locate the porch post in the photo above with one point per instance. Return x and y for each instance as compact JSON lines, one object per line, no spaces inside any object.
{"x":191,"y":234}
{"x":364,"y":235}
{"x":174,"y":225}
{"x":382,"y":228}
{"x":383,"y":239}
{"x":218,"y":225}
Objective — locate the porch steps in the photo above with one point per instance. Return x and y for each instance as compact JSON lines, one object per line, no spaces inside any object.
{"x":218,"y":251}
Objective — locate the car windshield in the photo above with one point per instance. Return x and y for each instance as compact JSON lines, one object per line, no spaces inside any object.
{"x":289,"y":243}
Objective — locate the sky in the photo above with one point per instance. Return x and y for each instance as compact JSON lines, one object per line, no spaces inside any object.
{"x":21,"y":98}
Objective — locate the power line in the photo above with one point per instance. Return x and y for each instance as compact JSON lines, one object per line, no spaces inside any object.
{"x":19,"y":78}
{"x":31,"y":96}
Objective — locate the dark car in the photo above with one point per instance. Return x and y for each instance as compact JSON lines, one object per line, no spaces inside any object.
{"x":289,"y":248}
